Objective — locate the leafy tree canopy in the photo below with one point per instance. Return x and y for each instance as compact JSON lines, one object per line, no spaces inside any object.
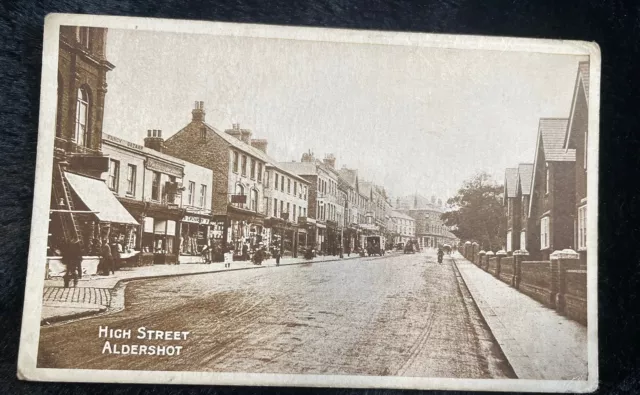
{"x":476,"y":212}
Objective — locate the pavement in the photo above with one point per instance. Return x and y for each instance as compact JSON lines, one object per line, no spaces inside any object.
{"x":93,"y":294}
{"x":539,"y":343}
{"x":398,"y":315}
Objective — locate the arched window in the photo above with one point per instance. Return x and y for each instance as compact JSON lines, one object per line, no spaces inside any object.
{"x":254,"y":200}
{"x":82,"y":117}
{"x":239,"y":191}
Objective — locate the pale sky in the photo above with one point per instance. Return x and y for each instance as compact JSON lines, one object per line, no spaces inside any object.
{"x":411,"y":119}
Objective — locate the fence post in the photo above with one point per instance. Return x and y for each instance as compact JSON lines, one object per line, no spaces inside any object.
{"x":560,"y":260}
{"x":518,"y":257}
{"x":488,"y":256}
{"x":474,"y":252}
{"x":499,"y":255}
{"x":467,"y":249}
{"x":481,"y":255}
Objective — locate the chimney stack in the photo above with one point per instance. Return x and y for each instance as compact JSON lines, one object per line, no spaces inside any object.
{"x":198,"y":112}
{"x":330,"y":160}
{"x":260,"y":144}
{"x":308,"y":157}
{"x":235,"y":131}
{"x":245,"y":136}
{"x":154,"y":140}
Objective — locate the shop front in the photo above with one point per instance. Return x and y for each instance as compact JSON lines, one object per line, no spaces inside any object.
{"x":158,"y":238}
{"x":284,"y":237}
{"x":245,"y":232}
{"x":84,"y":208}
{"x":333,"y":238}
{"x":196,"y":231}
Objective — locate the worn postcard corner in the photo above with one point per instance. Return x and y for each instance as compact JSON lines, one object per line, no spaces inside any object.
{"x":234,"y":204}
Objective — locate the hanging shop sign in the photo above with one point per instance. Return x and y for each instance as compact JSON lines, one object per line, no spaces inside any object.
{"x":196,"y":219}
{"x":241,"y":199}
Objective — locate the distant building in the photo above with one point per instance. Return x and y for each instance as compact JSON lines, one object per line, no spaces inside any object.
{"x":512,"y":209}
{"x":430,"y":230}
{"x":404,"y":229}
{"x":552,"y":190}
{"x":325,"y":202}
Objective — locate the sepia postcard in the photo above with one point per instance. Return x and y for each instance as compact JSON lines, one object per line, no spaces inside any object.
{"x":238,"y":204}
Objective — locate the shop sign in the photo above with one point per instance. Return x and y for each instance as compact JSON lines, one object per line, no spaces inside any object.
{"x":164,"y":167}
{"x":196,"y":220}
{"x":240,"y":199}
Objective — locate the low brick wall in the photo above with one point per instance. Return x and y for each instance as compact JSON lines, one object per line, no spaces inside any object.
{"x":535,"y":281}
{"x":493,"y":266}
{"x":574,"y":293}
{"x":507,"y":270}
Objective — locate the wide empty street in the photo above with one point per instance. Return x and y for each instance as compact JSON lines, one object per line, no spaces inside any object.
{"x":403,"y":315}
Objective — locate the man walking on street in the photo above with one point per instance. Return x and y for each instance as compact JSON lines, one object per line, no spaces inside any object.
{"x":72,"y":259}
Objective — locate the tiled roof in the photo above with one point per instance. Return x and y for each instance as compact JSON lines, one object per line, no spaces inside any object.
{"x":525,"y":173}
{"x":583,"y":68}
{"x":241,"y":145}
{"x":300,"y":168}
{"x":349,"y":176}
{"x":510,"y":178}
{"x":552,"y":133}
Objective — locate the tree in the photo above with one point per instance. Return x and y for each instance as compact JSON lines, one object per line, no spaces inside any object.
{"x":476,"y":212}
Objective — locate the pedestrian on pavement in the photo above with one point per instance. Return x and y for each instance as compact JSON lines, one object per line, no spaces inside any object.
{"x":72,"y":259}
{"x":245,"y":252}
{"x":106,"y":259}
{"x":115,"y":252}
{"x":276,"y":254}
{"x":205,"y":254}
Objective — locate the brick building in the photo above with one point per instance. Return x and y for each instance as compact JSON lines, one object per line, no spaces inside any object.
{"x":512,"y":209}
{"x":576,"y":139}
{"x":523,"y":196}
{"x":326,"y":201}
{"x":81,"y":205}
{"x":237,"y":163}
{"x":285,"y":207}
{"x":552,"y":190}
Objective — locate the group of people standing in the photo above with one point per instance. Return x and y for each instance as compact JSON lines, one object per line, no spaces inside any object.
{"x":72,"y":253}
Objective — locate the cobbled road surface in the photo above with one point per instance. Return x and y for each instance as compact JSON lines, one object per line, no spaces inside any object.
{"x":402,"y":315}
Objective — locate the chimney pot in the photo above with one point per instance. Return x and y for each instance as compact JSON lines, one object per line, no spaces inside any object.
{"x":148,"y":132}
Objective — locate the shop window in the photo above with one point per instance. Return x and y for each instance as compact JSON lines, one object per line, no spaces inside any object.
{"x":253,"y":169}
{"x":82,"y":117}
{"x":235,"y":161}
{"x":244,"y":165}
{"x":203,"y":195}
{"x":114,"y":174}
{"x":582,"y":227}
{"x":155,"y":186}
{"x":544,"y":233}
{"x":259,"y":172}
{"x":131,"y":180}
